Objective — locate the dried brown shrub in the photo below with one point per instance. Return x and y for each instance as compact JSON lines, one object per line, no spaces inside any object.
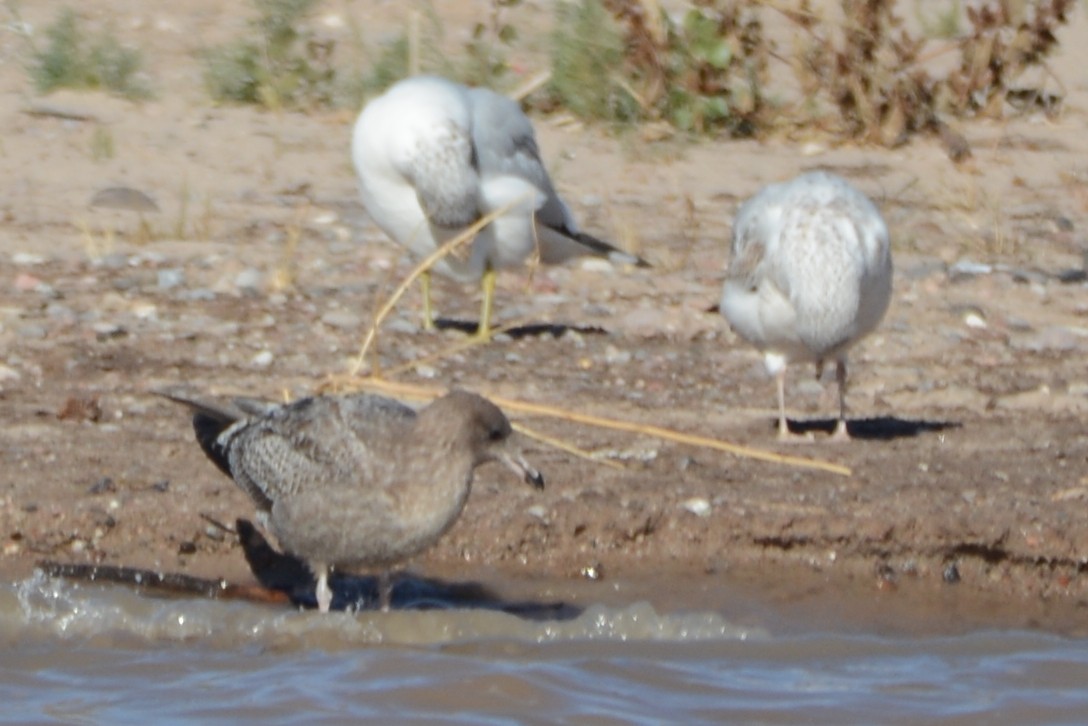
{"x":703,"y":72}
{"x":865,"y":76}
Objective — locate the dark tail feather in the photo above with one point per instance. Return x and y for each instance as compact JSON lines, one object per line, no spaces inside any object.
{"x":210,"y":419}
{"x":207,"y":431}
{"x":603,"y":249}
{"x":561,"y":244}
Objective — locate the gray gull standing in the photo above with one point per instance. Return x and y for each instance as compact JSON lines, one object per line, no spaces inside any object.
{"x":355,"y":480}
{"x":434,"y":157}
{"x":811,"y":274}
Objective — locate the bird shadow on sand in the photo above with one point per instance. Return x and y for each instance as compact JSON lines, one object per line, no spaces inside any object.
{"x":283,"y":573}
{"x":880,"y":428}
{"x":529,"y":330}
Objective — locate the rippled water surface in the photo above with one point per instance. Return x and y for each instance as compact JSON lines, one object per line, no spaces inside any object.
{"x":89,"y":654}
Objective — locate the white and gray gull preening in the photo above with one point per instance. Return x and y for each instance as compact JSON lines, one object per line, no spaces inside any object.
{"x":355,"y":480}
{"x":434,"y":157}
{"x":811,"y":274}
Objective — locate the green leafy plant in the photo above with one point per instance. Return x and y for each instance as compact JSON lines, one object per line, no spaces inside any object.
{"x":587,"y":60}
{"x":102,"y":144}
{"x":862,"y":74}
{"x":943,"y":23}
{"x":71,"y":59}
{"x":716,"y":63}
{"x":282,"y":63}
{"x":702,"y":74}
{"x":485,"y":53}
{"x":393,"y":60}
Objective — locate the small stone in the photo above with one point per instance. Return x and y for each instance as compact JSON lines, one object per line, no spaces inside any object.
{"x":537,"y":511}
{"x":200,"y":294}
{"x":263,"y":359}
{"x":951,"y":574}
{"x":973,"y":319}
{"x":343,"y":319}
{"x":1053,"y":338}
{"x":171,"y":278}
{"x":401,"y":325}
{"x":26,"y":259}
{"x":105,"y":484}
{"x":698,"y":506}
{"x":596,"y":264}
{"x":593,"y":572}
{"x":60,"y":313}
{"x":615,"y":356}
{"x":425,"y":371}
{"x":112,"y":261}
{"x":249,"y":280}
{"x":32,"y":331}
{"x":104,"y":330}
{"x":8,"y":374}
{"x":25,"y":282}
{"x":968,"y":268}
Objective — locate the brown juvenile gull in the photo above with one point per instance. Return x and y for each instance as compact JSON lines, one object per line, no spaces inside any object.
{"x":811,"y":274}
{"x":433,"y":157}
{"x":355,"y":480}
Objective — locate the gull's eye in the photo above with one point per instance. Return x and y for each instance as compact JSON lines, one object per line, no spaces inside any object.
{"x":496,"y":434}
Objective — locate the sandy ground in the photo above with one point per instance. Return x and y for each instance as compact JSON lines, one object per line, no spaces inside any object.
{"x":970,"y":460}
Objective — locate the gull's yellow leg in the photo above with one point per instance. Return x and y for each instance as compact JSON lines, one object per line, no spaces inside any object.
{"x":487,"y":284}
{"x":428,"y":312}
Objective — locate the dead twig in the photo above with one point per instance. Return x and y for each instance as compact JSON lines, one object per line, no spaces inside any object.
{"x":426,"y":393}
{"x":418,"y":270}
{"x":564,"y":446}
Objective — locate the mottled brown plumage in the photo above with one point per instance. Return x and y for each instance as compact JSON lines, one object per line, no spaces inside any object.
{"x":355,"y":480}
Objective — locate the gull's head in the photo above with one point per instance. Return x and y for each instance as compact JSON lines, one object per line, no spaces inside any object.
{"x":489,"y":434}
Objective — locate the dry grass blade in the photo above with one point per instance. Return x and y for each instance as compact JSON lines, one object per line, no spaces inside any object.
{"x":427,"y":393}
{"x":564,"y":446}
{"x":424,"y":265}
{"x":532,"y":85}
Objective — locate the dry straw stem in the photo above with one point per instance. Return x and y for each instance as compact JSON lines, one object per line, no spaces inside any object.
{"x":285,"y":274}
{"x":409,"y":390}
{"x":418,"y":270}
{"x":564,"y":446}
{"x":532,"y":85}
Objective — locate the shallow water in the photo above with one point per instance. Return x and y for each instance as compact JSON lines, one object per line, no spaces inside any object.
{"x":81,"y":653}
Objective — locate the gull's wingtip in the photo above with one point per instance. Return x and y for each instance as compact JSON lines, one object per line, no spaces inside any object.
{"x":608,"y":251}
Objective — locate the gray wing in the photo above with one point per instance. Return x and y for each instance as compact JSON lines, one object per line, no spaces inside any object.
{"x":328,"y":442}
{"x":505,"y":145}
